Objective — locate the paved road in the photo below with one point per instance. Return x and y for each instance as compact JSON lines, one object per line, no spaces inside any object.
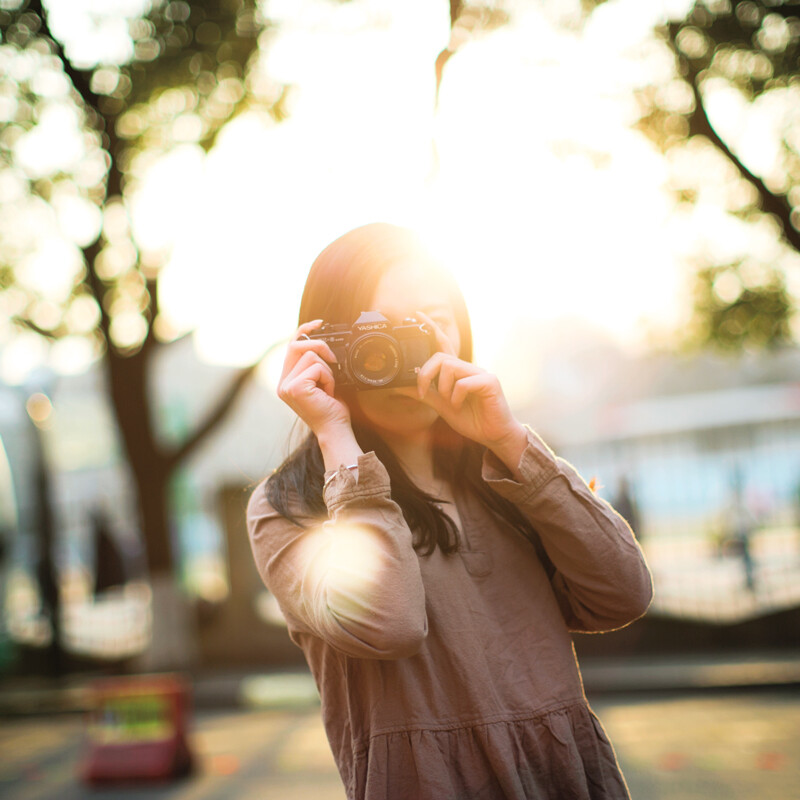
{"x":712,"y":746}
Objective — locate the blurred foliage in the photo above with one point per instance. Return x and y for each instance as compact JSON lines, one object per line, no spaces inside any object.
{"x":471,"y":17}
{"x":188,"y":69}
{"x":77,"y":131}
{"x":750,"y":48}
{"x":734,"y":317}
{"x":467,"y":21}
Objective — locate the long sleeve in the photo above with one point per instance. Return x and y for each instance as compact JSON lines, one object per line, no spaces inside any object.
{"x":601,"y":581}
{"x":352,"y":580}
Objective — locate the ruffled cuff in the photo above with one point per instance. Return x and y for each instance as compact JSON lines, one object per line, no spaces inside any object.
{"x":537,"y":465}
{"x":344,"y":486}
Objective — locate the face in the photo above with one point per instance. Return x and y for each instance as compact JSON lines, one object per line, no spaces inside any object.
{"x":404,"y":290}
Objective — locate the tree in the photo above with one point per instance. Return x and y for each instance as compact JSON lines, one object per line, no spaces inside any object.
{"x":466,"y":20}
{"x":748,"y":53}
{"x":188,"y":70}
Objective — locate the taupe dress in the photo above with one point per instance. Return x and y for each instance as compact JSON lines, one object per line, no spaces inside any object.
{"x":454,"y":676}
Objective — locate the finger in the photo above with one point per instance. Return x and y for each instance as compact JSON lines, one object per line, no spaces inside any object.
{"x":431,"y":369}
{"x":446,"y":379}
{"x":313,"y":377}
{"x":307,"y":327}
{"x":473,"y":384}
{"x":322,"y":376}
{"x":428,"y":372}
{"x":299,"y":346}
{"x":306,"y":360}
{"x":442,"y":339}
{"x":297,"y":350}
{"x":303,"y":331}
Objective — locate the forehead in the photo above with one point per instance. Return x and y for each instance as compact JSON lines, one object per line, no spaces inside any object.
{"x":408,"y":287}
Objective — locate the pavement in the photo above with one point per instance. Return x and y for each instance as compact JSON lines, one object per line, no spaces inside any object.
{"x":232,"y":689}
{"x":684,"y":729}
{"x":731,"y":745}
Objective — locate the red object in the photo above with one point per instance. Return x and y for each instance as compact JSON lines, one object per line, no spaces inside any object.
{"x":674,"y":762}
{"x":771,"y":761}
{"x":137,"y":730}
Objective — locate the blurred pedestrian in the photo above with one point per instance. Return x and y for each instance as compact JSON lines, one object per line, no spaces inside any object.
{"x":739,"y":523}
{"x":626,"y":506}
{"x":430,"y":553}
{"x":109,"y":566}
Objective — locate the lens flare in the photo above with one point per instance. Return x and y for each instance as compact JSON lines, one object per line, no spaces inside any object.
{"x":345,"y":563}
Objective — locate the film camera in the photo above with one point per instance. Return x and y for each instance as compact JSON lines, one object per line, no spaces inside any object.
{"x":373,"y":354}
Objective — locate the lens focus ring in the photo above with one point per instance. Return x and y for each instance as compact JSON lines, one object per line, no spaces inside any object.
{"x":375,"y":359}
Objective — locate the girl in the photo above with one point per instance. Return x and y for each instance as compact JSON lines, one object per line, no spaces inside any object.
{"x":431,"y":556}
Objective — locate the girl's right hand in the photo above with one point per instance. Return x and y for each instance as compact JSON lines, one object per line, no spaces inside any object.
{"x":307,"y":383}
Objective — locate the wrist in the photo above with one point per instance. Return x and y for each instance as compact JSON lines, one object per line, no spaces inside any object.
{"x":509,"y":448}
{"x":338,"y":446}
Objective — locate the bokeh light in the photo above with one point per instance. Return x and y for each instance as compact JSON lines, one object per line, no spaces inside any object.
{"x":527,"y":175}
{"x":39,"y":409}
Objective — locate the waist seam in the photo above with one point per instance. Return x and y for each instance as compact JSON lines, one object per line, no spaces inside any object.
{"x":460,"y":724}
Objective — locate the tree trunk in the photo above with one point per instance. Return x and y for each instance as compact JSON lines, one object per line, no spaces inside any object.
{"x":129,"y":384}
{"x":46,"y":569}
{"x":173,"y":630}
{"x":152,"y":489}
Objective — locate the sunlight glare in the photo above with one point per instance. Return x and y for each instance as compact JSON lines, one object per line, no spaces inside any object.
{"x":546,"y":203}
{"x":50,"y":270}
{"x":345,"y":564}
{"x":54,"y":144}
{"x":275,"y":195}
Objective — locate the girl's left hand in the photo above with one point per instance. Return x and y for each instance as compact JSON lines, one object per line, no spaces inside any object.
{"x":470,"y":400}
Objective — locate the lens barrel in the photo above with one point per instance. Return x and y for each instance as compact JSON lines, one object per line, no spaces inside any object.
{"x":375,"y":359}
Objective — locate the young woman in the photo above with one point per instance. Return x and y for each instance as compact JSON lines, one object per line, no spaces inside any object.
{"x":431,"y":556}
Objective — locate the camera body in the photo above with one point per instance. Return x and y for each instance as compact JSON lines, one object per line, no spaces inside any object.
{"x":374,"y":354}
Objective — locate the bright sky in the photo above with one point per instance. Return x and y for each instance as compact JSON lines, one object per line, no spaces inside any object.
{"x":545,"y":204}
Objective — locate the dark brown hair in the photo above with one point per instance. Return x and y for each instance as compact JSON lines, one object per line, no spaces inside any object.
{"x":340,"y":284}
{"x":344,"y":276}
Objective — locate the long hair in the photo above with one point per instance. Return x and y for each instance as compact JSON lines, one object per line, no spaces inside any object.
{"x":340,"y":284}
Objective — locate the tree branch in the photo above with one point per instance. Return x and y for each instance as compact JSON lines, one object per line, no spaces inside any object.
{"x":219,"y":411}
{"x":150,"y":340}
{"x":80,"y":79}
{"x":786,"y":10}
{"x":771,"y":203}
{"x":456,"y":7}
{"x":32,"y":326}
{"x":96,"y":288}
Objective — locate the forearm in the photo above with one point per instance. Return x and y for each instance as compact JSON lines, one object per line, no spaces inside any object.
{"x":354,"y":580}
{"x":367,"y":596}
{"x":601,"y":571}
{"x":510,"y":449}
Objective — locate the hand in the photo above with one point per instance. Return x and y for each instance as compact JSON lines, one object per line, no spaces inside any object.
{"x":307,"y":382}
{"x":470,"y":400}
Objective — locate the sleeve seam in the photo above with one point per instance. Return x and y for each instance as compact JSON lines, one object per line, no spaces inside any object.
{"x":513,"y":487}
{"x":356,"y":494}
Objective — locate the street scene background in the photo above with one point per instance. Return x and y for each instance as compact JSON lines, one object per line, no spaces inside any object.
{"x":707,"y":747}
{"x":616,"y":188}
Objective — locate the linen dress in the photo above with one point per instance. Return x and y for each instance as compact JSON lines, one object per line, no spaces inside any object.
{"x":445,"y":677}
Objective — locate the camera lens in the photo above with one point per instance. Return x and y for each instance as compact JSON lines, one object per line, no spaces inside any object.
{"x":374,"y":359}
